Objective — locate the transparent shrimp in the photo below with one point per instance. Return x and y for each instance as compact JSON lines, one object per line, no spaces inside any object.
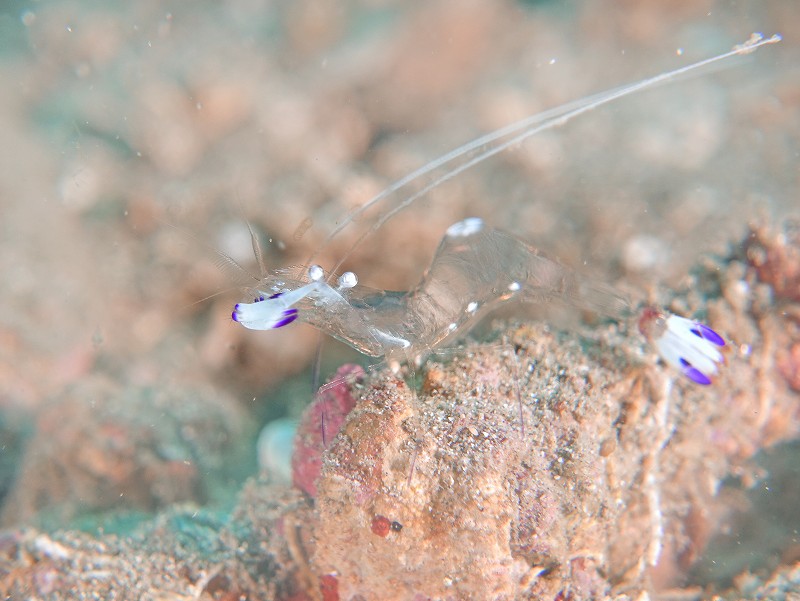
{"x":475,"y":269}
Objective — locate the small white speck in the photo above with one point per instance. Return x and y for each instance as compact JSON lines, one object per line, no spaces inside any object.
{"x":679,"y":52}
{"x":552,"y":61}
{"x":467,"y":227}
{"x":643,"y":253}
{"x":514,"y":286}
{"x":315,"y":273}
{"x":472,"y":307}
{"x":348,"y":279}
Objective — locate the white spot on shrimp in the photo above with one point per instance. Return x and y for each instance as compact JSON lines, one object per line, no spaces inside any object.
{"x":467,"y":227}
{"x":348,"y":280}
{"x":315,"y":273}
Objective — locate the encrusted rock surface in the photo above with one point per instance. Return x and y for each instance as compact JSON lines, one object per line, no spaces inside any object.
{"x":556,"y":464}
{"x":548,"y":464}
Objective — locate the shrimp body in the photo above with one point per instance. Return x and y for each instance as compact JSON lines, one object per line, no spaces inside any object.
{"x":475,"y":269}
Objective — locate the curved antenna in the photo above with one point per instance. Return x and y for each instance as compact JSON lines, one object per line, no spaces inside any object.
{"x":224,"y":261}
{"x":523,"y":129}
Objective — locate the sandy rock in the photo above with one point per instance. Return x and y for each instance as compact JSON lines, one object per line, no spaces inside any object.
{"x":557,"y":465}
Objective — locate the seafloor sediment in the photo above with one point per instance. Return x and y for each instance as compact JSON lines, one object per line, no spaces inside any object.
{"x":562,"y":465}
{"x":128,"y":405}
{"x":545,"y":464}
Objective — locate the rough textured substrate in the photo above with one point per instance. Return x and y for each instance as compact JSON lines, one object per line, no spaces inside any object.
{"x":560,"y":464}
{"x":550,"y":465}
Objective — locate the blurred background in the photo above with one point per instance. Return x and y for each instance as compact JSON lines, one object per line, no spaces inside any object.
{"x":139,"y":138}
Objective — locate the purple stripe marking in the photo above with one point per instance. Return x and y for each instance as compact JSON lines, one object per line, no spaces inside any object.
{"x":696,"y":376}
{"x":710,"y":335}
{"x":288,"y":317}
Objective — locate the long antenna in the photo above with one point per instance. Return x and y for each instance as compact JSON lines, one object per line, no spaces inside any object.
{"x":523,"y":129}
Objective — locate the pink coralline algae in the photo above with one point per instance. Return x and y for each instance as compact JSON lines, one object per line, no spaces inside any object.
{"x":319,"y":425}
